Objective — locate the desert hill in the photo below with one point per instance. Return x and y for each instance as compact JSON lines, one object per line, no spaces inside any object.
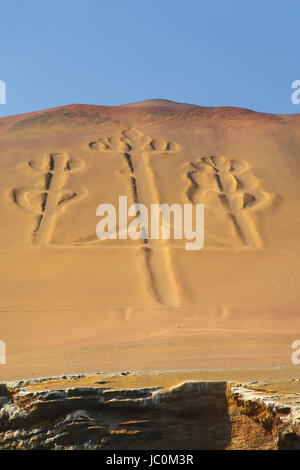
{"x":70,"y":300}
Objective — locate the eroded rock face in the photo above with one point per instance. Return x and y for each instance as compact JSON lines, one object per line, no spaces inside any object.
{"x":192,"y":415}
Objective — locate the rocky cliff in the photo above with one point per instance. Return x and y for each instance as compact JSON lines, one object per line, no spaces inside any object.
{"x":60,"y":413}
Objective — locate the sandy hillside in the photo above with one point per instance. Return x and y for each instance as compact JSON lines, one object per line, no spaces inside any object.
{"x":69,"y":301}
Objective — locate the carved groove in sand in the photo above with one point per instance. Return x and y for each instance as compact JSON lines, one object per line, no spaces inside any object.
{"x":53,"y":198}
{"x":137,"y":148}
{"x":231,"y":190}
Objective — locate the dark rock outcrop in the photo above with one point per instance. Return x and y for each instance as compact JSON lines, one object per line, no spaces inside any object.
{"x":192,"y":415}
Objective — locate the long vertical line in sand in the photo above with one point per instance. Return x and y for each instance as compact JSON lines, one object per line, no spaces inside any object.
{"x":244,"y":226}
{"x":158,"y":257}
{"x":54,"y":181}
{"x":248,"y":229}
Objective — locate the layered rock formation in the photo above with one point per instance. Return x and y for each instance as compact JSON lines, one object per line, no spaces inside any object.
{"x":193,"y":415}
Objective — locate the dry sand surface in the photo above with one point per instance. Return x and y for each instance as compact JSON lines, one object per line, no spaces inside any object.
{"x":272,"y":380}
{"x":70,"y":302}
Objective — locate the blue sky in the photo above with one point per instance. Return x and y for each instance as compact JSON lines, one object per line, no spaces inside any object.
{"x":110,"y":52}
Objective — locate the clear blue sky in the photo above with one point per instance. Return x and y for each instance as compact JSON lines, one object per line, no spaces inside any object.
{"x":110,"y":52}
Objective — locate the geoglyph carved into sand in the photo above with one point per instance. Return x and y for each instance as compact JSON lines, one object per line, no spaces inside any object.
{"x":137,"y":148}
{"x":223,"y":185}
{"x":53,"y":198}
{"x":235,"y":193}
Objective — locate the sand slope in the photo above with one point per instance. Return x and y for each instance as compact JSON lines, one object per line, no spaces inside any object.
{"x":63,"y":289}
